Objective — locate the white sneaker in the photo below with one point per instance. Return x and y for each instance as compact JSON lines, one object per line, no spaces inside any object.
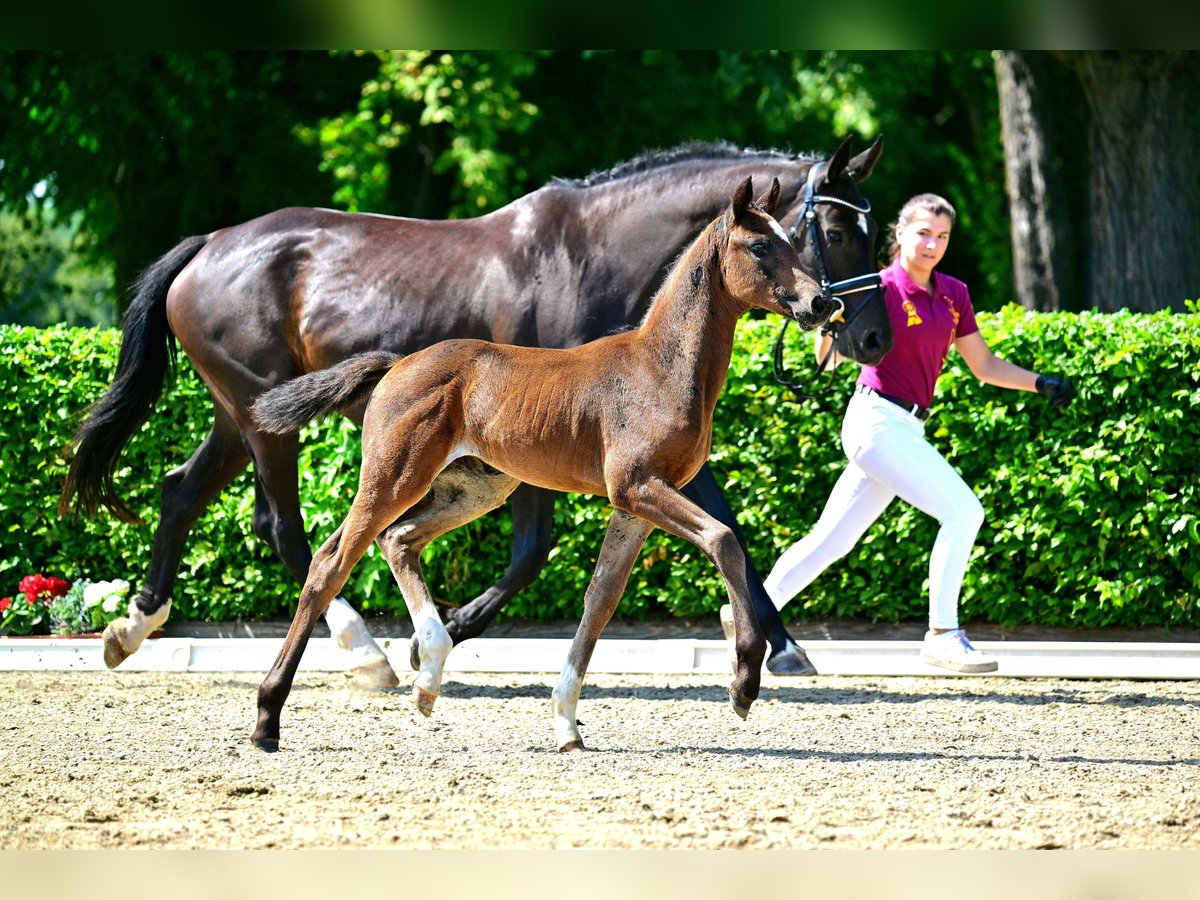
{"x":951,"y":650}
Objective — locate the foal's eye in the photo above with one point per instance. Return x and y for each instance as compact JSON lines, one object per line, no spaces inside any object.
{"x":760,"y":248}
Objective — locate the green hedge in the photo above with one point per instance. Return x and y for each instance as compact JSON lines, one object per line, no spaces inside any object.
{"x":1091,"y":515}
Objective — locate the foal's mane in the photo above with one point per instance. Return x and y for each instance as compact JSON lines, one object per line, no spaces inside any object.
{"x":692,"y":151}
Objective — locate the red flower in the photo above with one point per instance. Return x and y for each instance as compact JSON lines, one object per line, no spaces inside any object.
{"x":57,"y":586}
{"x":5,"y":603}
{"x":40,"y":587}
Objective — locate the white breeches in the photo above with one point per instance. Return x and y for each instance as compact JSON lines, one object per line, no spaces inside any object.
{"x":889,"y":457}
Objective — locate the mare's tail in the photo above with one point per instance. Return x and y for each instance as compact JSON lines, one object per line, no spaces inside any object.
{"x":289,"y":407}
{"x":147,"y":355}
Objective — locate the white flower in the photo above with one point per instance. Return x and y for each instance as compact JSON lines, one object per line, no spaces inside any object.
{"x":107,"y":592}
{"x":95,"y":593}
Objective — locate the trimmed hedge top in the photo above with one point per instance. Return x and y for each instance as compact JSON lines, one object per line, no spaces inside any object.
{"x":1091,"y":512}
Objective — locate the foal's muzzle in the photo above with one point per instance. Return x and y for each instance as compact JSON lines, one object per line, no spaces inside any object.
{"x":815,"y":311}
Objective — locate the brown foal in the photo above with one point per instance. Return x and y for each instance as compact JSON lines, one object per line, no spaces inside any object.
{"x":628,"y":416}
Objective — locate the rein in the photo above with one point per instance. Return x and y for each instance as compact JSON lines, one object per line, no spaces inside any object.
{"x":838,"y":290}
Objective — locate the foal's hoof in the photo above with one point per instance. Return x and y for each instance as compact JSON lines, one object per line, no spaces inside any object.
{"x":791,"y":661}
{"x":114,"y":651}
{"x":376,"y":675}
{"x":424,"y":700}
{"x":740,"y":704}
{"x":571,"y":747}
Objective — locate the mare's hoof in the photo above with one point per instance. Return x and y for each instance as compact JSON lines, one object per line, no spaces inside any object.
{"x":114,"y":651}
{"x":571,"y":747}
{"x":376,"y":675}
{"x":424,"y":700}
{"x":791,"y":661}
{"x":266,"y":744}
{"x":740,"y":704}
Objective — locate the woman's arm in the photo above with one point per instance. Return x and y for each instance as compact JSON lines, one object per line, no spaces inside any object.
{"x":989,"y":368}
{"x":821,"y":347}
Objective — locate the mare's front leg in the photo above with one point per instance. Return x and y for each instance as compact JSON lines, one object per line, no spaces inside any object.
{"x":533,"y":538}
{"x":786,"y":656}
{"x":662,"y":504}
{"x":622,"y":543}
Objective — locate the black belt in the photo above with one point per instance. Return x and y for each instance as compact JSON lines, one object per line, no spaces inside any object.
{"x":920,"y":412}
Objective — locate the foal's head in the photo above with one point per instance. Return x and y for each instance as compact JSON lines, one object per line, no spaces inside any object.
{"x":759,"y":265}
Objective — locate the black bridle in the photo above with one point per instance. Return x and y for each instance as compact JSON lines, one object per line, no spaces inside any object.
{"x":837,"y":290}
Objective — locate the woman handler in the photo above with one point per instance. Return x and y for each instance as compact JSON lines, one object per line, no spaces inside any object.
{"x":883,"y":432}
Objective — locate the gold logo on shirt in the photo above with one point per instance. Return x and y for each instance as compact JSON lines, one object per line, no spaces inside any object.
{"x":911,"y":309}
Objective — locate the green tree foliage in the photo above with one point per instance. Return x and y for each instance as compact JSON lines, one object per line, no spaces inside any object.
{"x":46,"y":274}
{"x":1090,"y":511}
{"x":152,"y":146}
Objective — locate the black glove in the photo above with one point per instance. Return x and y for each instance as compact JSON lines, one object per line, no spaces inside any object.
{"x":1059,"y":390}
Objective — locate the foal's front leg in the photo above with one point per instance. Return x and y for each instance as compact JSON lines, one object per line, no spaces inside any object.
{"x":622,"y":542}
{"x":663,"y":505}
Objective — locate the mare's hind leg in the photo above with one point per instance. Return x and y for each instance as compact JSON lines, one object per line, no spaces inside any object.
{"x":279,"y":522}
{"x":622,"y":543}
{"x":657,"y":501}
{"x":186,"y":491}
{"x":533,"y":538}
{"x":462,"y":492}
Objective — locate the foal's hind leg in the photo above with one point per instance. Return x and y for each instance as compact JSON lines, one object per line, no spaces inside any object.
{"x":186,"y":492}
{"x":622,"y":542}
{"x":658,"y":502}
{"x":280,"y":523}
{"x":462,"y":492}
{"x":375,"y":507}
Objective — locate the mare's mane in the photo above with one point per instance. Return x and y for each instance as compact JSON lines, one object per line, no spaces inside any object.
{"x":692,"y":151}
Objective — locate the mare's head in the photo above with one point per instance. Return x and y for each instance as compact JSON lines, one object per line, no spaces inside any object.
{"x":759,"y":265}
{"x":835,"y":237}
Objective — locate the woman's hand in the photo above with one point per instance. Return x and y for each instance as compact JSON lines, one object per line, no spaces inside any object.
{"x":1059,"y":390}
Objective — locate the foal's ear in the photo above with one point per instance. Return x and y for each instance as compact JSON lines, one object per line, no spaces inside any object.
{"x":770,"y":199}
{"x":741,"y":198}
{"x":861,"y":166}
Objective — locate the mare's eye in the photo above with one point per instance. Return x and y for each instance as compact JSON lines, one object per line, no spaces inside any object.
{"x":833,"y":236}
{"x":760,"y":248}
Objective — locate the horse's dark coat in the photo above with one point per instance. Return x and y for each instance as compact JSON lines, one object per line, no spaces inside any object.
{"x":298,"y":290}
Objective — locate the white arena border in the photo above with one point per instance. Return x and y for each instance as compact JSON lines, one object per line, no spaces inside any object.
{"x":1019,"y":659}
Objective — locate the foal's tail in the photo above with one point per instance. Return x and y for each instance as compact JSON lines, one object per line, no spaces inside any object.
{"x":147,"y":356}
{"x":289,"y":407}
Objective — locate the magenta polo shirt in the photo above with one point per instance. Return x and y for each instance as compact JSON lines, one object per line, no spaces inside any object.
{"x":924,"y":324}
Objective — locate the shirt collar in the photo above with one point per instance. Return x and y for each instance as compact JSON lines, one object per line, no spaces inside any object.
{"x":908,"y":286}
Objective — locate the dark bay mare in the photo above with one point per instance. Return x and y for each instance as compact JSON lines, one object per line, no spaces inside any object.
{"x":299,"y":290}
{"x":627,"y":417}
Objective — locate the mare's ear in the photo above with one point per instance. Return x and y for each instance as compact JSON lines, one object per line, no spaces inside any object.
{"x":861,"y":166}
{"x":837,"y":164}
{"x":770,"y":199}
{"x":741,"y":198}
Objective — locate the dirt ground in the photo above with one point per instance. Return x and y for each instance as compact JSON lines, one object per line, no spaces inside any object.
{"x":127,"y":759}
